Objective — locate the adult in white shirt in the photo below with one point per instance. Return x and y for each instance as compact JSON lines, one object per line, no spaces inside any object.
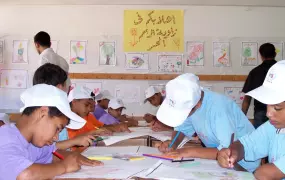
{"x":47,"y":55}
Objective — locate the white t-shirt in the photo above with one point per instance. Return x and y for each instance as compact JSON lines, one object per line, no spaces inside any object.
{"x":49,"y":56}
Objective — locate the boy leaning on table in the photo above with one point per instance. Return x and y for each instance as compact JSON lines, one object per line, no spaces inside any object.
{"x":27,"y":147}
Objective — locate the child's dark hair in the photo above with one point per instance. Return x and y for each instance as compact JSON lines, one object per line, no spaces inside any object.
{"x":50,"y":74}
{"x":53,"y":111}
{"x":43,"y":39}
{"x":267,"y":50}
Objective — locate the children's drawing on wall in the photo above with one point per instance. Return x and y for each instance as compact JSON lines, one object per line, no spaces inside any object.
{"x":279,"y":50}
{"x":195,"y":54}
{"x":107,"y":52}
{"x":78,"y":52}
{"x":170,"y":63}
{"x":221,"y":54}
{"x":161,"y":88}
{"x":137,"y":61}
{"x":1,"y":52}
{"x":20,"y":51}
{"x":249,"y":54}
{"x":54,"y":45}
{"x":129,"y":93}
{"x":15,"y":79}
{"x":235,"y":93}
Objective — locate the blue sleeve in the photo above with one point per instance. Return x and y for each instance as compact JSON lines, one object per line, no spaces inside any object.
{"x":256,"y":144}
{"x":280,"y":164}
{"x":63,"y":135}
{"x":223,"y":128}
{"x":186,"y":128}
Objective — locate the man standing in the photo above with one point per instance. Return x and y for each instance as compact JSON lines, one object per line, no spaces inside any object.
{"x":47,"y":55}
{"x":255,"y":79}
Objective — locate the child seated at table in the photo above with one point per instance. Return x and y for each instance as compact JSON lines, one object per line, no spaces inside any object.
{"x":80,"y":100}
{"x":26,"y":148}
{"x":51,"y":74}
{"x":103,"y":99}
{"x":114,"y":115}
{"x":155,"y":98}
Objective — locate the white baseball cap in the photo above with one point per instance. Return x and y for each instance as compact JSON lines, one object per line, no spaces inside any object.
{"x":273,"y":89}
{"x":182,"y":95}
{"x":149,"y":92}
{"x":79,"y":92}
{"x":116,"y":103}
{"x":51,"y":96}
{"x":103,"y":95}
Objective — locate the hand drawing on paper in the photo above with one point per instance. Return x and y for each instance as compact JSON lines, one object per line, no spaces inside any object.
{"x":16,"y":79}
{"x":137,"y":61}
{"x":170,"y":63}
{"x":107,"y":52}
{"x":221,"y":54}
{"x":195,"y":54}
{"x":249,"y":54}
{"x":78,"y":52}
{"x":235,"y":93}
{"x":20,"y":51}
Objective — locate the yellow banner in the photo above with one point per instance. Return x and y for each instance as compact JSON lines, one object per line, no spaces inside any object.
{"x":154,"y":31}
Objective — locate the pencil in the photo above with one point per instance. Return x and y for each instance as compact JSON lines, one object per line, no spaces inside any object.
{"x":174,"y":139}
{"x":58,"y":155}
{"x":183,"y":160}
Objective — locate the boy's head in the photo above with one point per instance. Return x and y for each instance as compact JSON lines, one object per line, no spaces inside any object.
{"x":272,"y":94}
{"x":45,"y":113}
{"x":92,"y":103}
{"x":183,"y":98}
{"x":80,"y":99}
{"x":52,"y":75}
{"x":42,"y":41}
{"x":103,"y":99}
{"x":153,"y":96}
{"x":267,"y":51}
{"x":115,"y":107}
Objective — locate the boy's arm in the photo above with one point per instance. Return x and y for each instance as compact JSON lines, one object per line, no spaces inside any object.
{"x":246,"y":104}
{"x":269,"y":171}
{"x":62,"y":145}
{"x":42,"y":171}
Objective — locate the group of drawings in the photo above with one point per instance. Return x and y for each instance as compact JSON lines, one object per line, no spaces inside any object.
{"x":13,"y":79}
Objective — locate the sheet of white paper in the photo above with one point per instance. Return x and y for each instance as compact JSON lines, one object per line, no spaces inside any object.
{"x":109,"y":150}
{"x":148,"y":150}
{"x":137,"y":61}
{"x":20,"y":51}
{"x":106,"y":171}
{"x":143,"y":123}
{"x":14,"y":78}
{"x":165,"y":171}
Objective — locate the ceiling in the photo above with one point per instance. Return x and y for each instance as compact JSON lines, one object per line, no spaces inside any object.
{"x":268,"y":3}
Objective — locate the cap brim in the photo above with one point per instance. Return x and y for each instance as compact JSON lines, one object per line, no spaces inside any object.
{"x":170,"y":116}
{"x":267,"y":95}
{"x":76,"y":122}
{"x":145,"y":100}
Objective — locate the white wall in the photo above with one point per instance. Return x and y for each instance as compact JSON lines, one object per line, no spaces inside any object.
{"x":101,"y":22}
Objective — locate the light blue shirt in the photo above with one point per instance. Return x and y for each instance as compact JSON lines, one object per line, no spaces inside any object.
{"x":265,"y":141}
{"x":215,"y":121}
{"x":63,"y":135}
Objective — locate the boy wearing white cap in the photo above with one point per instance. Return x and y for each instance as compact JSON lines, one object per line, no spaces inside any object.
{"x":114,"y":115}
{"x":79,"y":99}
{"x":27,"y":147}
{"x":51,"y":74}
{"x":269,"y":138}
{"x":214,"y":117}
{"x":103,"y":99}
{"x":155,"y":98}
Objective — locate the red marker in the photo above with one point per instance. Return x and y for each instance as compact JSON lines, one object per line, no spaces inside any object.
{"x":58,"y":155}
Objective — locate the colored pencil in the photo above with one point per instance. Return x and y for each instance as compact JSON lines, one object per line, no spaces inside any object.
{"x":58,"y":155}
{"x":173,"y":141}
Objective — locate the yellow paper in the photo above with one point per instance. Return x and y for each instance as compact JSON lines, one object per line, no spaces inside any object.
{"x":100,"y":158}
{"x":154,"y":31}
